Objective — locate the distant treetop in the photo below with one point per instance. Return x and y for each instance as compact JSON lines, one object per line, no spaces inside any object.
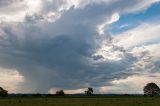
{"x":151,"y":89}
{"x":3,"y":92}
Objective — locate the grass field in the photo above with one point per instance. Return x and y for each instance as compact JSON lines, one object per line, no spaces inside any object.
{"x":65,"y":101}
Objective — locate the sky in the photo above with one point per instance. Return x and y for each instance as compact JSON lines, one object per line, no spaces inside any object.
{"x":110,"y":45}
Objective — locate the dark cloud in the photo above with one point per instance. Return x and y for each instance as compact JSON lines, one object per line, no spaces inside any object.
{"x":60,"y":54}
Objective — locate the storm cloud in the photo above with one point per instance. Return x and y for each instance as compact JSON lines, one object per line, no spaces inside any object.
{"x":68,"y":53}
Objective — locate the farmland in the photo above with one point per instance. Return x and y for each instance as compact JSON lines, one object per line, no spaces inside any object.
{"x":81,"y":101}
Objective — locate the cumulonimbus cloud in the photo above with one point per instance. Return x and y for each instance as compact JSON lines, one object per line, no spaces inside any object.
{"x":66,"y":53}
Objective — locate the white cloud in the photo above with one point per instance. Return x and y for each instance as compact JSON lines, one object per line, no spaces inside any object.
{"x":73,"y":91}
{"x":141,"y":6}
{"x":11,"y":80}
{"x":13,"y":11}
{"x":148,"y":58}
{"x":19,"y":8}
{"x":141,"y":35}
{"x":33,"y":6}
{"x":16,"y":10}
{"x":133,"y":84}
{"x":124,"y":26}
{"x":109,"y":51}
{"x":114,"y":18}
{"x":152,"y":49}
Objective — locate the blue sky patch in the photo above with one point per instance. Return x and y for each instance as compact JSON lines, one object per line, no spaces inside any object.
{"x":128,"y":21}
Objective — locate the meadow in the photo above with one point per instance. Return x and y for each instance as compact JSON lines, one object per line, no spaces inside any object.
{"x":81,"y":101}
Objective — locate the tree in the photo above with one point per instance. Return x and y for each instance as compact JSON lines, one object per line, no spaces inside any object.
{"x":151,"y":89}
{"x":89,"y":91}
{"x":3,"y":92}
{"x":60,"y":93}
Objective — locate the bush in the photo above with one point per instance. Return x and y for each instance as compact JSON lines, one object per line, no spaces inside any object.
{"x":60,"y":93}
{"x":3,"y":92}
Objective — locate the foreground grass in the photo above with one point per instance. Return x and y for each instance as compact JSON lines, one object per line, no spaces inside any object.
{"x":96,"y":101}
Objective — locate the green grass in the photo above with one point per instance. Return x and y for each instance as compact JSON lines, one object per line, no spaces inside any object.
{"x":65,"y":101}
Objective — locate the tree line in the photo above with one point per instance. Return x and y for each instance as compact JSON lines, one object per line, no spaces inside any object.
{"x":150,"y":89}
